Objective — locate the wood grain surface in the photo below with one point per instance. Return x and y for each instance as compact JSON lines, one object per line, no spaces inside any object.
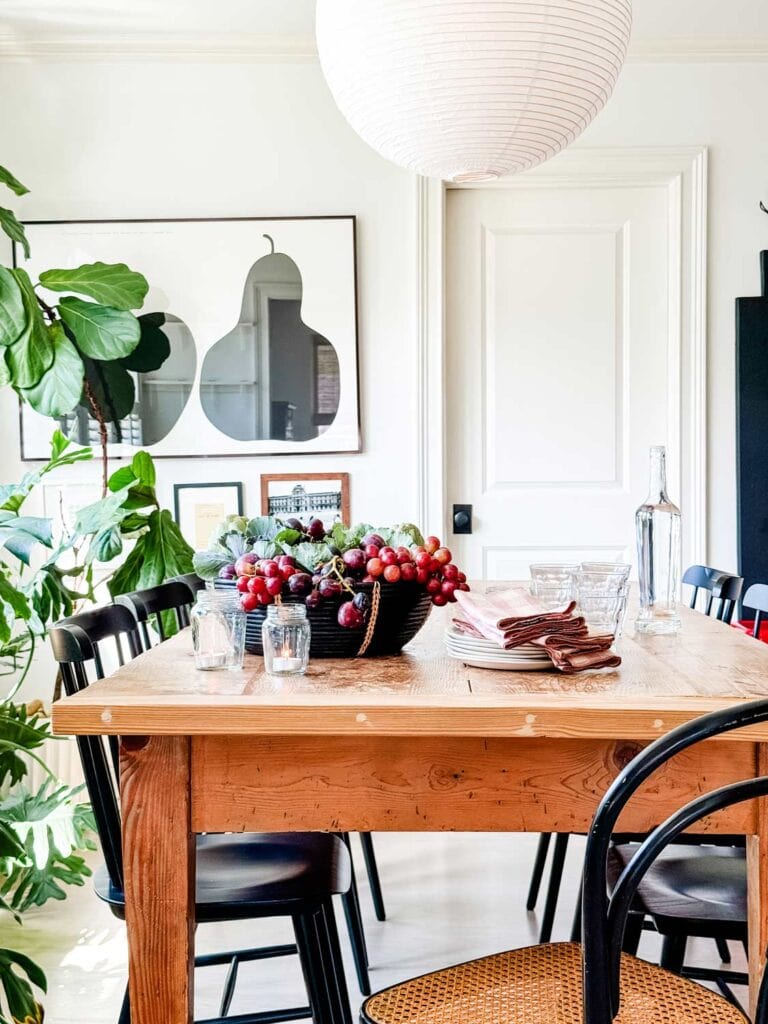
{"x":662,"y":682}
{"x":159,"y":866}
{"x":440,"y":784}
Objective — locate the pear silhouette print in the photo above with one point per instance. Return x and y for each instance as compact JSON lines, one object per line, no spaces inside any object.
{"x":272,"y":376}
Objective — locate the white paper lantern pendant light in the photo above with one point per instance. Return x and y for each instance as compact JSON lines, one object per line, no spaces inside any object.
{"x":470,"y":90}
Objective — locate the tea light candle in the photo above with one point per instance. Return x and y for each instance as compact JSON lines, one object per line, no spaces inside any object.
{"x":286,"y":666}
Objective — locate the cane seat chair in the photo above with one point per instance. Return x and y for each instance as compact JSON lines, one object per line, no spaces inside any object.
{"x":595,"y":982}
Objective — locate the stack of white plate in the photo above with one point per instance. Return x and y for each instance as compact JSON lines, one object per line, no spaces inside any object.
{"x":482,"y":653}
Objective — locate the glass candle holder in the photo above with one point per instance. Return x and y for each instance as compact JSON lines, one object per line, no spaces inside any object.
{"x":285,"y":637}
{"x":218,"y":630}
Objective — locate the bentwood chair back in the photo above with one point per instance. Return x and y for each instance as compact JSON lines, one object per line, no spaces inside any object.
{"x":723,"y":587}
{"x":595,"y":983}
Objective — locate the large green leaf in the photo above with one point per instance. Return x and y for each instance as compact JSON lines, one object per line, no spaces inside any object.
{"x":101,"y":332}
{"x":23,"y":1007}
{"x":31,"y":355}
{"x":20,"y":534}
{"x":60,"y":388}
{"x":101,"y":514}
{"x":112,"y":284}
{"x":153,"y":348}
{"x":207,"y":563}
{"x":112,"y":388}
{"x":158,"y":554}
{"x":14,"y":229}
{"x":6,"y":178}
{"x":18,"y":732}
{"x":13,"y":318}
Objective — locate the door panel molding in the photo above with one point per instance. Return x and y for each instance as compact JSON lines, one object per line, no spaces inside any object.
{"x":683,"y":172}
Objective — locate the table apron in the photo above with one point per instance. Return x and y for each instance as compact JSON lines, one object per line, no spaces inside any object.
{"x":448,"y":783}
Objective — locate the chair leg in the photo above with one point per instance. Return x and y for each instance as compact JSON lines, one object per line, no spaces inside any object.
{"x":372,"y":868}
{"x":673,"y":953}
{"x":633,"y":933}
{"x":553,"y":889}
{"x":125,"y":1010}
{"x":320,"y":956}
{"x":576,"y":926}
{"x":351,"y":906}
{"x":538,"y":870}
{"x":722,"y":951}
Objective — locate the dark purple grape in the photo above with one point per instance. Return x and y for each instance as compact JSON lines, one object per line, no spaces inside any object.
{"x":354,"y":559}
{"x":348,"y":616}
{"x":294,"y":524}
{"x":349,"y":582}
{"x":361,"y":601}
{"x":316,"y":579}
{"x":327,"y":569}
{"x":372,"y":538}
{"x":334,"y":550}
{"x":300,"y":583}
{"x":227,"y":572}
{"x":329,"y":588}
{"x":313,"y":599}
{"x":316,"y":529}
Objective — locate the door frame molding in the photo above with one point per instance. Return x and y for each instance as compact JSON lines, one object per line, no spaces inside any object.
{"x":683,"y":172}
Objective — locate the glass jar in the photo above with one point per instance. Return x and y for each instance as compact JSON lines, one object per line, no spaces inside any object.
{"x":658,"y":553}
{"x":218,"y":630}
{"x":285,"y":637}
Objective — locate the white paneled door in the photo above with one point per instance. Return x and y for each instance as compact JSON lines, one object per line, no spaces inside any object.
{"x":563,"y":366}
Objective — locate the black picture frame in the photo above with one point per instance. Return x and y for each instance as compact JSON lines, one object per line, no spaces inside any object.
{"x":234,"y":485}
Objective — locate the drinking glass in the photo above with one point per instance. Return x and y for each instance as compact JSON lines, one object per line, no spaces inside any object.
{"x":621,"y":567}
{"x":553,"y":583}
{"x":218,"y":630}
{"x":601,"y":597}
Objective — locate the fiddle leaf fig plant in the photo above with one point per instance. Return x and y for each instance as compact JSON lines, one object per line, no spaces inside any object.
{"x":77,"y":346}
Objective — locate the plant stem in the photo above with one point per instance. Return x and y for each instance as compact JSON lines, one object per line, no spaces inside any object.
{"x":98,"y":415}
{"x":49,"y":311}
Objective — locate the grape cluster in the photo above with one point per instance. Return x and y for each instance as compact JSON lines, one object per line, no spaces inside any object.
{"x":429,"y":565}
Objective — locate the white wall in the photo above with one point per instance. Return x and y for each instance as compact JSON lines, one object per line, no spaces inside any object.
{"x":100,"y":140}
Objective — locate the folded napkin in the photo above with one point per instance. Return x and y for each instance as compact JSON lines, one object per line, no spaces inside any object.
{"x":513,"y":617}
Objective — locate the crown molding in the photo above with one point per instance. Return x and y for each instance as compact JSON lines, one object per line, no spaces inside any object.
{"x":181,"y":47}
{"x":274,"y":49}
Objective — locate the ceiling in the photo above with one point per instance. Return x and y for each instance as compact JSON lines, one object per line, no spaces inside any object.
{"x":702,"y":21}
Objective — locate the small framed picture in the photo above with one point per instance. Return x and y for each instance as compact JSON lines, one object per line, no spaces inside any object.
{"x":303,"y":496}
{"x":199,"y":508}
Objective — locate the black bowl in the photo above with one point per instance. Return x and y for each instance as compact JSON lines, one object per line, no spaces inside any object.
{"x":403,"y":610}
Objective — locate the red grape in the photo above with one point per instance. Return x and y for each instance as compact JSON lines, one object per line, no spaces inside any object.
{"x":388,"y":556}
{"x":368,"y":579}
{"x":329,"y":588}
{"x":349,"y":616}
{"x":372,"y":538}
{"x":443,"y":556}
{"x":300,"y":583}
{"x":431,"y":544}
{"x":284,"y":560}
{"x":462,"y":577}
{"x":286,"y":571}
{"x":354,"y":559}
{"x":265,"y":598}
{"x":248,"y":602}
{"x":464,"y":585}
{"x":392,"y":573}
{"x":408,"y":571}
{"x":242,"y":584}
{"x":434,"y":586}
{"x":274,"y":585}
{"x":270,"y":568}
{"x":246,"y":565}
{"x":450,"y":571}
{"x":313,"y":599}
{"x":316,"y":529}
{"x":439,"y":599}
{"x":434,"y":565}
{"x":403,"y":555}
{"x":448,"y":589}
{"x":422,"y":575}
{"x":257,"y":584}
{"x":371,"y":550}
{"x":423,"y":560}
{"x":375,"y":567}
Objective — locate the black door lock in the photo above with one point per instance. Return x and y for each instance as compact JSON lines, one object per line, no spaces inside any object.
{"x":462,"y":519}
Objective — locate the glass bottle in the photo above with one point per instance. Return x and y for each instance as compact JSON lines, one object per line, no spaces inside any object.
{"x":218,"y":630}
{"x":657,"y":524}
{"x":285,"y":637}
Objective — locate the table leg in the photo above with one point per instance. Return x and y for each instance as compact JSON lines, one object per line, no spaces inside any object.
{"x":159,"y":873}
{"x":757,"y":889}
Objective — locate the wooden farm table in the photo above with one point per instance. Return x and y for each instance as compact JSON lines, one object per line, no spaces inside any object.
{"x":411,"y":743}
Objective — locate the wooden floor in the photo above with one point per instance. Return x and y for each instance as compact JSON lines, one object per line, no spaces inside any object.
{"x":449,"y":897}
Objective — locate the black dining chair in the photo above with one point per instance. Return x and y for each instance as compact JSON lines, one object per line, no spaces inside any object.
{"x":238,"y":876}
{"x":595,"y":981}
{"x":756,"y":598}
{"x":149,"y":607}
{"x":723,"y":587}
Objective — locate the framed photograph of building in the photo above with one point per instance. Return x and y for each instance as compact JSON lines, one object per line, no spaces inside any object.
{"x":199,"y":508}
{"x":303,"y":496}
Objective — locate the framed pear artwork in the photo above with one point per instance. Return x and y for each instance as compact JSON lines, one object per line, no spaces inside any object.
{"x":262,"y":319}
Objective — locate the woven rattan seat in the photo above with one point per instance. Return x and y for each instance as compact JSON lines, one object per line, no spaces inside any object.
{"x":542,"y":985}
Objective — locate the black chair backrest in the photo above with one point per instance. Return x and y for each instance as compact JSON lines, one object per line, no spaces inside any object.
{"x":191,"y":579}
{"x":721,"y":586}
{"x":77,"y":645}
{"x":174,"y":596}
{"x":603,"y":919}
{"x":756,"y":598}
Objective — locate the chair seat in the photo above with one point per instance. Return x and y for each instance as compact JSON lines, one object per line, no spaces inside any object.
{"x":699,"y":883}
{"x":255,"y":874}
{"x":542,"y":985}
